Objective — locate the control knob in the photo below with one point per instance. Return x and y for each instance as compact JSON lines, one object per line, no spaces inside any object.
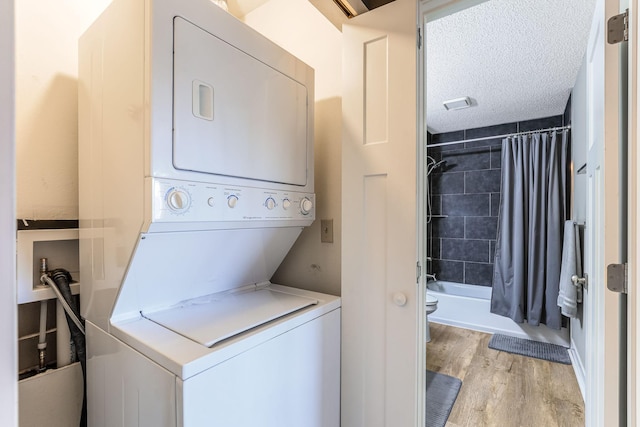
{"x":306,"y":206}
{"x":270,"y":203}
{"x":178,"y":200}
{"x":232,"y":201}
{"x":286,"y":204}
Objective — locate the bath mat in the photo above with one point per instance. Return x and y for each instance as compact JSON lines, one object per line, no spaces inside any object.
{"x":442,"y":391}
{"x":539,"y":350}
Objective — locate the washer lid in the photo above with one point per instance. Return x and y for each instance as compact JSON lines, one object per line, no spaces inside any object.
{"x":211,"y":319}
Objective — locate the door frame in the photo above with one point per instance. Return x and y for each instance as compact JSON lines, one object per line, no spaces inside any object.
{"x":433,"y":9}
{"x":8,"y":304}
{"x":633,"y":299}
{"x":606,"y":360}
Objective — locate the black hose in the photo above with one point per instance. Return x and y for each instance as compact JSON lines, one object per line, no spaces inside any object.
{"x":62,"y":278}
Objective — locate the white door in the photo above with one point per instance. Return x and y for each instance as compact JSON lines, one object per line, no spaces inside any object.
{"x":605,"y":227}
{"x":382,"y":338}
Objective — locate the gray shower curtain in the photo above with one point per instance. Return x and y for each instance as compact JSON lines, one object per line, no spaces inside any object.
{"x":533,"y":209}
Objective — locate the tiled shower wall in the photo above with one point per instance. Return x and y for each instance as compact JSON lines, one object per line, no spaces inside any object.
{"x":465,"y":200}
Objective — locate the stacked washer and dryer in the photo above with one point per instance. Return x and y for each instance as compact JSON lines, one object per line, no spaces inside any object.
{"x":196,"y":178}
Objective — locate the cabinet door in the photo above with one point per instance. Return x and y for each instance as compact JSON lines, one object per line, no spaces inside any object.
{"x":292,"y":380}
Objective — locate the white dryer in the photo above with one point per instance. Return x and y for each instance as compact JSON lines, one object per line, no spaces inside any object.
{"x":196,"y":178}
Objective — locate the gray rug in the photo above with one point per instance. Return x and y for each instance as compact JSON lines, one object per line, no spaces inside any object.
{"x":442,"y":391}
{"x":539,"y":350}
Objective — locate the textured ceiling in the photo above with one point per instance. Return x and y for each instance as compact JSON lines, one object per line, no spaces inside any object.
{"x":516,"y":59}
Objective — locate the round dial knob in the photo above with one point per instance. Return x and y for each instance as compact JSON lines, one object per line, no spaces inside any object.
{"x":286,"y":204}
{"x":232,"y":201}
{"x":305,"y":206}
{"x":178,"y":200}
{"x":270,"y":203}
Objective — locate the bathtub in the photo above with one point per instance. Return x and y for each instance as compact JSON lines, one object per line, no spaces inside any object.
{"x":468,"y":306}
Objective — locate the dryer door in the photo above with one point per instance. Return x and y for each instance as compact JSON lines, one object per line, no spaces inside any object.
{"x":233,"y":114}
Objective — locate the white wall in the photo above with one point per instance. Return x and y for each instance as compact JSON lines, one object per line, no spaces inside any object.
{"x":8,"y":311}
{"x":301,"y":29}
{"x":46,"y":104}
{"x":46,"y":137}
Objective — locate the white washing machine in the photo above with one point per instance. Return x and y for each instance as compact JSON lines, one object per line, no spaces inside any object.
{"x":196,"y":178}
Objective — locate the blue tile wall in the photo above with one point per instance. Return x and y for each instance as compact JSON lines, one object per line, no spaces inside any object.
{"x":547,"y":122}
{"x":495,"y":204}
{"x":450,"y":271}
{"x":479,"y":273}
{"x":465,"y":250}
{"x":465,"y":204}
{"x":465,"y":200}
{"x":450,"y":227}
{"x":448,"y":183}
{"x":436,"y":204}
{"x":480,"y":227}
{"x":567,"y":112}
{"x":496,"y":159}
{"x":503,"y":129}
{"x":484,"y":181}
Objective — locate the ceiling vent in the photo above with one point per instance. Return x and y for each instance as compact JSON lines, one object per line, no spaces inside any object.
{"x":346,"y":8}
{"x":458,"y":103}
{"x":372,"y":4}
{"x":338,"y":12}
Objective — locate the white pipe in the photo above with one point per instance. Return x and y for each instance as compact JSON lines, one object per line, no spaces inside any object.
{"x":42,"y":338}
{"x":64,"y":303}
{"x":43,"y":323}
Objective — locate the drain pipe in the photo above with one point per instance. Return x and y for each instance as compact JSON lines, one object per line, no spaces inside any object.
{"x":64,"y":353}
{"x":42,"y":339}
{"x":59,"y":281}
{"x":64,"y":350}
{"x":73,"y":316}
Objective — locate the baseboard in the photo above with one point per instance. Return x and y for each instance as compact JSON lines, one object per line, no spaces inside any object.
{"x":578,"y":369}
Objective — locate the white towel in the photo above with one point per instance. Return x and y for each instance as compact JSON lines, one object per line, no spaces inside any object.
{"x":568,"y":295}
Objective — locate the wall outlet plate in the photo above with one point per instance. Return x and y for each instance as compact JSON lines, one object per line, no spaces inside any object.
{"x":326,"y":231}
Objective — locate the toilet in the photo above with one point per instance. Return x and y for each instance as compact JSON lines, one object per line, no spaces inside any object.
{"x":431,"y":305}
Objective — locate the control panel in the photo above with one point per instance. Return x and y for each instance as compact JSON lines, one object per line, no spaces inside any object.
{"x":185,"y":201}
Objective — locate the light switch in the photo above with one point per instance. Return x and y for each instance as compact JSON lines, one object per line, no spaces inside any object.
{"x":326,"y":231}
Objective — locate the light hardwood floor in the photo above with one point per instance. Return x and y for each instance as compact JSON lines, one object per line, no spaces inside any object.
{"x":503,"y":389}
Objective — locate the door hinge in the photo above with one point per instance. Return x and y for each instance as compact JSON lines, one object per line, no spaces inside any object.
{"x":618,"y":28}
{"x":419,"y":38}
{"x":617,"y":277}
{"x":418,"y":272}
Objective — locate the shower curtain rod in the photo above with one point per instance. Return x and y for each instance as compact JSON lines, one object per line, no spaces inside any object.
{"x":442,"y":144}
